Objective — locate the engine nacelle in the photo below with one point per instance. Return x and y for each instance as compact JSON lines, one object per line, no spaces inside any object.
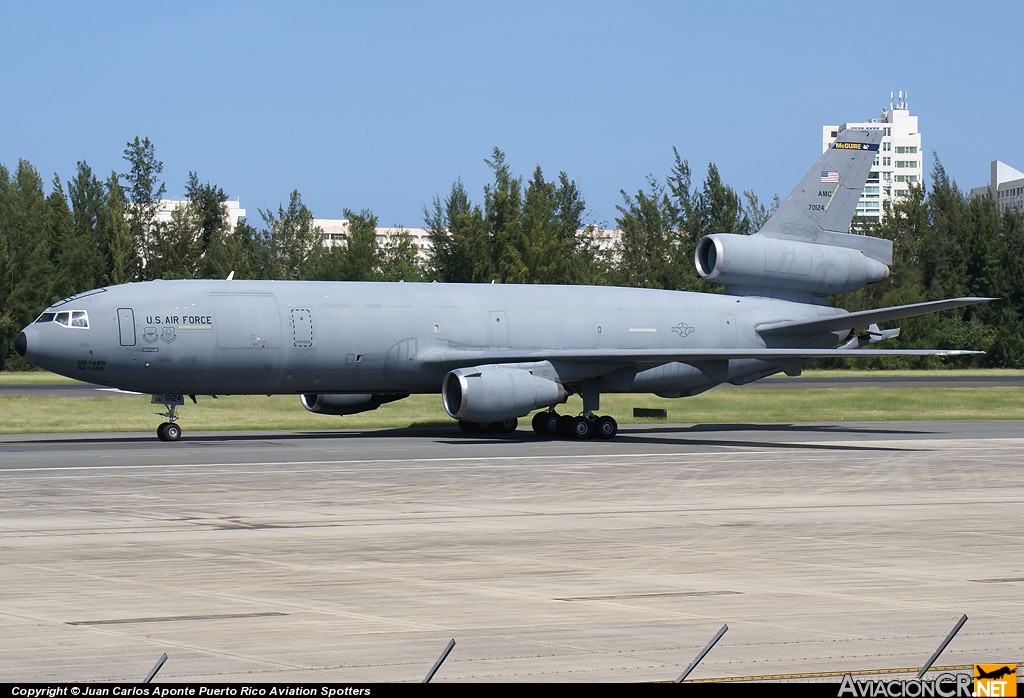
{"x":346,"y":403}
{"x":748,"y":263}
{"x":495,"y":393}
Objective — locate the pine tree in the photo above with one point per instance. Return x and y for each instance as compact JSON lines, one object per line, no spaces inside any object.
{"x":399,"y":258}
{"x":460,"y":246}
{"x":144,"y":191}
{"x":80,"y":258}
{"x":117,"y":242}
{"x":293,"y":238}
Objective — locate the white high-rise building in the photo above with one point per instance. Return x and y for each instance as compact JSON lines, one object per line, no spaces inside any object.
{"x":900,"y":161}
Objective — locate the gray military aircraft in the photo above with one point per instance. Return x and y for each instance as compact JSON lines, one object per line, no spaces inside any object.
{"x":497,"y":352}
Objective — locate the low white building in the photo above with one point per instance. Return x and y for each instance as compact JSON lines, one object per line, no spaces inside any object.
{"x":1005,"y":186}
{"x":335,"y":232}
{"x":233,"y":208}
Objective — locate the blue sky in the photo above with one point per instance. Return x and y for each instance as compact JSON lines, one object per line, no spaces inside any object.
{"x":382,"y":105}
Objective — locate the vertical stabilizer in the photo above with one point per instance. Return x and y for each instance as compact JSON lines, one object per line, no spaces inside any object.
{"x":822,"y":206}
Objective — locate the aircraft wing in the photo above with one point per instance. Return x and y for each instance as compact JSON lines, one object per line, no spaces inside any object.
{"x":456,"y":358}
{"x":863,"y":318}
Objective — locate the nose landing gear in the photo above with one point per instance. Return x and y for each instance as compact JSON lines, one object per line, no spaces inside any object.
{"x":169,"y":430}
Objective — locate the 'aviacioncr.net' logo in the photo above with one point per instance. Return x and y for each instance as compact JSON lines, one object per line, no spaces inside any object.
{"x":997,"y":680}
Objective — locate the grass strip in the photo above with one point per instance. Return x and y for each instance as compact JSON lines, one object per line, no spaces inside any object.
{"x":20,"y":414}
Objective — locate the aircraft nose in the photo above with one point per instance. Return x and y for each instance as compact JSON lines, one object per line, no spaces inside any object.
{"x":21,"y":344}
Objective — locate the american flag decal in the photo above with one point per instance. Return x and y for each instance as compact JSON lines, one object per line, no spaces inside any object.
{"x":830,"y":177}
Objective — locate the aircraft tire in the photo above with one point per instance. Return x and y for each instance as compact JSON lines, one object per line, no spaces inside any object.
{"x":168,"y":431}
{"x":605,"y":427}
{"x":506,"y":426}
{"x":546,"y":423}
{"x":582,"y":428}
{"x":473,"y":427}
{"x":564,"y":427}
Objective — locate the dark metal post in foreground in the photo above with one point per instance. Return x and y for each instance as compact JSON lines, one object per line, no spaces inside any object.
{"x":707,"y":648}
{"x":440,"y":660}
{"x":156,"y":668}
{"x":949,"y":638}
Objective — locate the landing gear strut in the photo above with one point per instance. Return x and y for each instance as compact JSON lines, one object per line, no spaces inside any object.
{"x":169,"y":430}
{"x":587,"y":425}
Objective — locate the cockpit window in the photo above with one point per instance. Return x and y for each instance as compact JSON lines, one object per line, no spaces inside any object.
{"x":67,"y":318}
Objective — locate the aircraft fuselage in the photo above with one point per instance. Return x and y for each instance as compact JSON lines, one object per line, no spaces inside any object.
{"x":274,"y":337}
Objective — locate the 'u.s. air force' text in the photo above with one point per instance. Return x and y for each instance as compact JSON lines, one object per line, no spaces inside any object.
{"x":179,"y":320}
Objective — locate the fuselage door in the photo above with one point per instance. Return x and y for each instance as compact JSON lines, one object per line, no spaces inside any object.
{"x":126,"y":322}
{"x":728,"y":340}
{"x":499,"y":328}
{"x":302,"y":327}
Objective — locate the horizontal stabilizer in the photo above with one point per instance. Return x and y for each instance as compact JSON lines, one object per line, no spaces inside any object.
{"x":863,"y":318}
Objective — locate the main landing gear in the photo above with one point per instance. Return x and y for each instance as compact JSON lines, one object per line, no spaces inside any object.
{"x":586,"y":426}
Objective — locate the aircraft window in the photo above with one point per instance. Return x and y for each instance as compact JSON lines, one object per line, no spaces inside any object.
{"x":46,"y":317}
{"x":70,"y":318}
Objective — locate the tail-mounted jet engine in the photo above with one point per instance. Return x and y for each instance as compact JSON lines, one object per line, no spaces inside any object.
{"x":753,"y":264}
{"x":495,"y":393}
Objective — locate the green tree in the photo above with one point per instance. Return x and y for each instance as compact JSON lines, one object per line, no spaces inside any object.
{"x":503,"y":202}
{"x":26,"y":224}
{"x":399,"y":258}
{"x":359,"y":257}
{"x":649,"y":247}
{"x":547,"y":241}
{"x":756,"y":213}
{"x":79,"y":255}
{"x":248,"y":254}
{"x":718,"y":208}
{"x":460,"y":248}
{"x":176,"y":245}
{"x":117,"y":241}
{"x":519,"y":236}
{"x":209,"y":201}
{"x":293,"y":238}
{"x":144,"y":191}
{"x":942,"y":248}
